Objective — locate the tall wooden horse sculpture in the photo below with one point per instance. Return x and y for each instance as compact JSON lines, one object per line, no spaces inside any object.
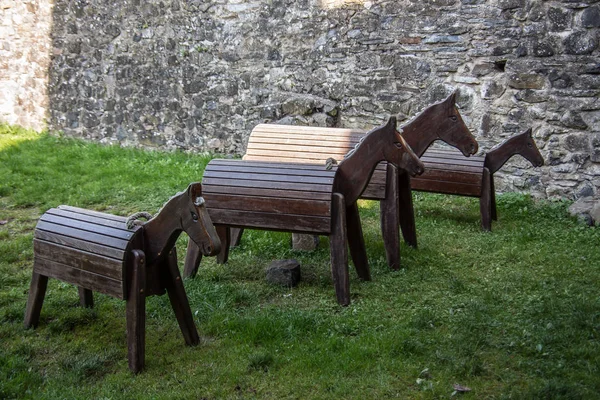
{"x":304,"y":198}
{"x":98,"y":252}
{"x":522,"y":144}
{"x":441,"y":121}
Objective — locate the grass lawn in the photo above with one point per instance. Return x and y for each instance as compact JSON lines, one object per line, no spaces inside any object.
{"x":512,"y":314}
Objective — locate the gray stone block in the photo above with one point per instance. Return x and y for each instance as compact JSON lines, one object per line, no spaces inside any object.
{"x":284,"y":273}
{"x":304,"y":242}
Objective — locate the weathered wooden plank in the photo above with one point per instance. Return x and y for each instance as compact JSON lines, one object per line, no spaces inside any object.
{"x":288,"y":141}
{"x":267,"y":164}
{"x":445,"y":187}
{"x":451,"y":162}
{"x":266,"y":185}
{"x":270,"y":221}
{"x":87,"y":226}
{"x":322,"y":173}
{"x":93,"y":213}
{"x":451,"y":176}
{"x":79,"y":277}
{"x":290,"y":155}
{"x":100,"y":249}
{"x":209,"y":190}
{"x":82,"y":235}
{"x":89,"y":218}
{"x":79,"y":259}
{"x":269,"y":204}
{"x":272,"y":177}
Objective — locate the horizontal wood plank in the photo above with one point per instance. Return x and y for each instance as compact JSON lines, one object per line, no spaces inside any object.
{"x":426,"y":185}
{"x":79,"y":259}
{"x":122,"y":225}
{"x":268,"y":204}
{"x":270,"y":177}
{"x":87,"y":226}
{"x":209,"y":190}
{"x":79,"y":277}
{"x":82,"y":235}
{"x":93,"y":213}
{"x":258,"y":220}
{"x":80,"y":244}
{"x":208,"y":182}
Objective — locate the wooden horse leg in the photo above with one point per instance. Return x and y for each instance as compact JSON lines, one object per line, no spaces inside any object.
{"x":193,"y":256}
{"x":338,"y":250}
{"x":390,"y":219}
{"x":493,"y":196}
{"x":236,"y":236}
{"x":86,"y":297}
{"x":485,"y":201}
{"x":224,"y":233}
{"x":136,"y":313}
{"x":356,"y":242}
{"x":406,"y":210}
{"x":37,"y":292}
{"x":179,"y":301}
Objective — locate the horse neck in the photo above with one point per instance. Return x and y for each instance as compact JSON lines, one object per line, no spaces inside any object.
{"x":355,"y":171}
{"x":420,"y":132}
{"x":496,"y":158}
{"x":162,"y":231}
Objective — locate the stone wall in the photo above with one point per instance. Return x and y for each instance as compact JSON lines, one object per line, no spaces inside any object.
{"x":200,"y":74}
{"x":24,"y":58}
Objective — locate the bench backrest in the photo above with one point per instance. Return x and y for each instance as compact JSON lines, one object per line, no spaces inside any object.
{"x":85,"y":248}
{"x":267,"y":195}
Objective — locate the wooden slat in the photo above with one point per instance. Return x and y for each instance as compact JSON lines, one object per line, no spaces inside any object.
{"x":89,"y":280}
{"x":121,"y":225}
{"x":289,"y":141}
{"x":457,"y":168}
{"x":320,"y":173}
{"x":267,"y":185}
{"x":287,"y":223}
{"x":291,"y":179}
{"x":374,"y":192}
{"x":87,"y":226}
{"x":452,"y":162}
{"x":75,"y":258}
{"x":445,"y":187}
{"x":268,"y":204}
{"x":80,"y":244}
{"x":306,"y":130}
{"x":262,"y":192}
{"x":293,"y":155}
{"x":451,"y":176}
{"x":82,"y":235}
{"x":93,"y":213}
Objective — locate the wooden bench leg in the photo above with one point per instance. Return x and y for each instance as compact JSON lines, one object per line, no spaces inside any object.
{"x":136,"y":314}
{"x":389,"y":209}
{"x":179,"y":301}
{"x":35,"y":300}
{"x":485,"y":201}
{"x":339,"y":251}
{"x":193,"y":257}
{"x":356,"y":242}
{"x":493,"y":195}
{"x":224,"y":233}
{"x":86,"y":297}
{"x":406,"y":210}
{"x":236,"y":236}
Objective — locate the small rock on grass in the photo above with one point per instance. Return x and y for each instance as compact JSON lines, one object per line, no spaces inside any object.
{"x":284,"y":273}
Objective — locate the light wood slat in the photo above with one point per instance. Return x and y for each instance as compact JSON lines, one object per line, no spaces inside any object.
{"x":89,"y":218}
{"x":285,"y":141}
{"x":75,"y":243}
{"x":83,"y":235}
{"x":308,"y":130}
{"x":93,"y":213}
{"x":86,"y":226}
{"x":286,"y":223}
{"x":79,"y":259}
{"x":267,"y":204}
{"x":291,"y":155}
{"x":267,"y":185}
{"x":273,"y":193}
{"x":445,"y":187}
{"x":89,"y":280}
{"x":268,"y":164}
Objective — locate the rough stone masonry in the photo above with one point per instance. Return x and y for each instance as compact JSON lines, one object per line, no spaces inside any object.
{"x":200,"y":75}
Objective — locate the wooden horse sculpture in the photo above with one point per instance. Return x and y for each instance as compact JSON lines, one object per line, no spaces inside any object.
{"x":303,"y":198}
{"x":98,"y":252}
{"x":440,"y":121}
{"x":522,"y":144}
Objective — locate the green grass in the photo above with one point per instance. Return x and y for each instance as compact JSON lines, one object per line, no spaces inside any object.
{"x":512,"y":314}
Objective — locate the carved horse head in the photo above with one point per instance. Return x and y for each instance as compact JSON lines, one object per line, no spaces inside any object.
{"x":440,"y":121}
{"x":525,"y":146}
{"x":522,"y":144}
{"x":398,"y":152}
{"x":196,"y":222}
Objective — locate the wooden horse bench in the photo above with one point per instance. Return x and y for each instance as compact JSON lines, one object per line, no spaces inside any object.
{"x":99,"y":252}
{"x":304,"y":198}
{"x":449,"y":172}
{"x":314,"y":145}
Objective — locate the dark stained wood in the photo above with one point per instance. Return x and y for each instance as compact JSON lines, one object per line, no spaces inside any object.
{"x":272,"y":221}
{"x":356,"y":243}
{"x":84,"y":235}
{"x":224,"y":235}
{"x":338,"y":251}
{"x":79,"y":277}
{"x":236,"y":236}
{"x":80,"y":244}
{"x":266,"y":204}
{"x":406,"y":214}
{"x":389,"y":220}
{"x":35,"y":300}
{"x":179,"y":300}
{"x":136,"y":314}
{"x":485,"y":201}
{"x":193,"y":257}
{"x":86,"y":297}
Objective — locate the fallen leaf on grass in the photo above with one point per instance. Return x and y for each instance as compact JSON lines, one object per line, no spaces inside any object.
{"x":461,"y":388}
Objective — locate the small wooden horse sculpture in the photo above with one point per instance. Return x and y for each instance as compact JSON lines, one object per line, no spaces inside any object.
{"x":440,"y":121}
{"x":522,"y":144}
{"x":303,"y":198}
{"x":97,"y":252}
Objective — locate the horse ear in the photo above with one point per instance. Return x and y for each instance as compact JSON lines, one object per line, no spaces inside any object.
{"x":529,"y":132}
{"x":391,"y":124}
{"x":452,"y":97}
{"x":194,"y":190}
